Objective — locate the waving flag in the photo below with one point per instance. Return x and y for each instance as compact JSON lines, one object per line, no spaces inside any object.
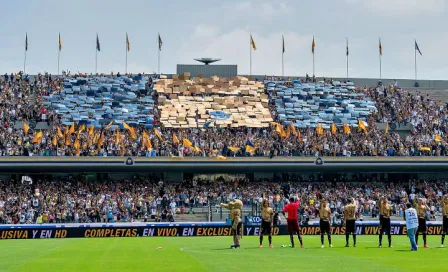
{"x":283,"y":44}
{"x":128,"y":44}
{"x":252,"y":42}
{"x":60,"y":42}
{"x":313,"y":45}
{"x":346,"y":52}
{"x":98,"y":46}
{"x":418,"y":49}
{"x":380,"y":47}
{"x":26,"y":41}
{"x":160,"y":43}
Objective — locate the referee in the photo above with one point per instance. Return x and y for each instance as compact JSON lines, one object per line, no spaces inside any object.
{"x":385,"y":211}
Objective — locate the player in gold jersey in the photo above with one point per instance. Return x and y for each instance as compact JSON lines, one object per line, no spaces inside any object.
{"x":267,"y":220}
{"x":325,"y":222}
{"x":445,"y":218}
{"x":350,"y":220}
{"x":385,"y":213}
{"x":421,"y":208}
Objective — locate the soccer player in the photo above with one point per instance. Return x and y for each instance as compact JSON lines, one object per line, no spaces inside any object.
{"x":385,"y":212}
{"x":293,"y":220}
{"x":410,"y":216}
{"x":350,"y":219}
{"x":422,"y":208}
{"x":325,"y":221}
{"x":267,"y":220}
{"x":445,"y":218}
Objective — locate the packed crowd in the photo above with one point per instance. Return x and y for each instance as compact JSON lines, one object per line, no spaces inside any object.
{"x":21,"y":100}
{"x":150,"y":199}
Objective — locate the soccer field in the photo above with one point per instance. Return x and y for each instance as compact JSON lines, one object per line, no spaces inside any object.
{"x":213,"y":254}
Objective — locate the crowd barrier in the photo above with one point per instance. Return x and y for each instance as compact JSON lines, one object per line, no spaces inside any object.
{"x":52,"y":231}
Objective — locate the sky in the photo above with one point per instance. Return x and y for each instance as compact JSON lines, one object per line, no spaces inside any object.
{"x":221,"y":29}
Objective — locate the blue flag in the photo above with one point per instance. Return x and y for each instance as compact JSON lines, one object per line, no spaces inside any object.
{"x":207,"y":125}
{"x":418,"y":49}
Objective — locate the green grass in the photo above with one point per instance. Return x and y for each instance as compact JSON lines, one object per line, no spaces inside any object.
{"x":212,"y":254}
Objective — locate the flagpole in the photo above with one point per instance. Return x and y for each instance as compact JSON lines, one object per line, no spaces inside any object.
{"x":283,"y":67}
{"x":126,"y":66}
{"x":250,"y":54}
{"x":24,"y":64}
{"x":59,"y":56}
{"x":380,"y":68}
{"x":347,"y":53}
{"x":415,"y":60}
{"x":158,"y":56}
{"x":96,"y":60}
{"x":313,"y":66}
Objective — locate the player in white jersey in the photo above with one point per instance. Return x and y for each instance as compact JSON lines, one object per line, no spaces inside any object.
{"x":410,"y":215}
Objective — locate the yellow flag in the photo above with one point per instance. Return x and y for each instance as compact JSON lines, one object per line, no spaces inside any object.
{"x":91,"y":129}
{"x":81,"y":128}
{"x":187,"y":143}
{"x":219,"y":157}
{"x":250,"y":149}
{"x":117,"y":136}
{"x":55,"y":140}
{"x":67,"y":139}
{"x":293,"y":129}
{"x":60,"y":135}
{"x":38,"y":137}
{"x":72,"y":129}
{"x":280,"y":130}
{"x":76,"y":144}
{"x":175,"y":139}
{"x":319,"y":129}
{"x":313,"y":45}
{"x":109,"y":125}
{"x":131,"y":130}
{"x":362,"y":126}
{"x":146,"y":141}
{"x":346,"y":129}
{"x":252,"y":42}
{"x":157,"y":132}
{"x":333,"y":129}
{"x":298,"y":136}
{"x":197,"y":149}
{"x":234,"y":149}
{"x":437,"y":138}
{"x":288,"y":131}
{"x":387,"y":129}
{"x":26,"y":128}
{"x":101,"y":141}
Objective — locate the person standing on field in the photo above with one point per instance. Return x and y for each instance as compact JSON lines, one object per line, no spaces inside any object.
{"x":410,"y":216}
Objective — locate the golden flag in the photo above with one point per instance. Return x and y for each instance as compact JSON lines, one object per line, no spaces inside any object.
{"x":250,"y":149}
{"x":131,"y":130}
{"x":146,"y":141}
{"x":319,"y":129}
{"x":101,"y":141}
{"x":298,"y":136}
{"x":26,"y":128}
{"x":91,"y":129}
{"x":37,"y":138}
{"x":76,"y":144}
{"x":55,"y":140}
{"x":67,"y":139}
{"x":333,"y":129}
{"x":293,"y":129}
{"x":175,"y":139}
{"x":387,"y":129}
{"x":234,"y":149}
{"x":346,"y":129}
{"x":313,"y":45}
{"x":60,"y":135}
{"x":157,"y":132}
{"x":123,"y":149}
{"x":252,"y":42}
{"x":109,"y":125}
{"x":437,"y":138}
{"x":197,"y":149}
{"x":187,"y":143}
{"x":288,"y":132}
{"x":362,"y":126}
{"x":273,"y":123}
{"x":81,"y":128}
{"x":219,"y":157}
{"x":72,"y":129}
{"x":117,"y":136}
{"x":280,"y":130}
{"x":91,"y":141}
{"x":96,"y":138}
